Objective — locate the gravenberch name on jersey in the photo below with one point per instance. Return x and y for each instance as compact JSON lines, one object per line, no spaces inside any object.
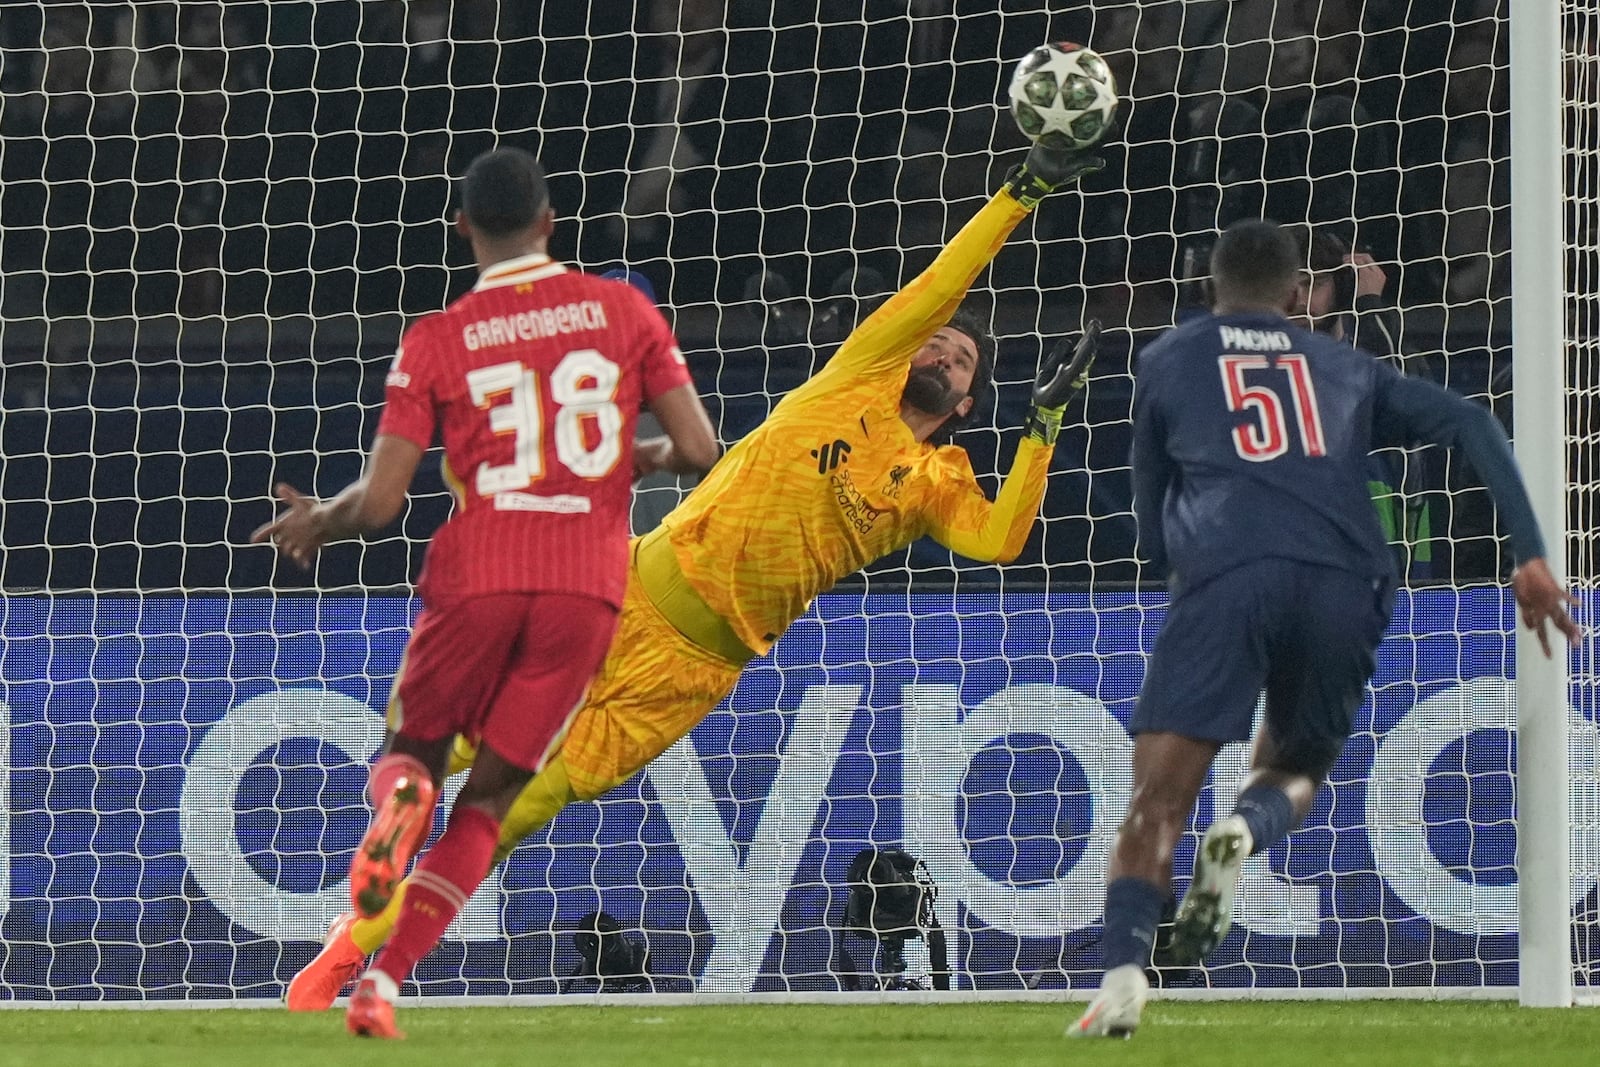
{"x":533,"y":324}
{"x":1254,"y":340}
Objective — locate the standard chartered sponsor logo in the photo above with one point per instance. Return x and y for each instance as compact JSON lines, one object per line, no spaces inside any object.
{"x":742,"y":900}
{"x":857,"y":512}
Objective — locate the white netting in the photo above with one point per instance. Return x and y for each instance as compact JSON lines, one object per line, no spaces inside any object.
{"x":1581,"y":127}
{"x":1580,"y":37}
{"x":215,"y":219}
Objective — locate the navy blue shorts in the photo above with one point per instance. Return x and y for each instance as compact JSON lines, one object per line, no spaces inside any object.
{"x":1304,"y":634}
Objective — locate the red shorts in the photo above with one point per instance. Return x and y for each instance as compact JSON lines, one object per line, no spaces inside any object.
{"x":510,"y":669}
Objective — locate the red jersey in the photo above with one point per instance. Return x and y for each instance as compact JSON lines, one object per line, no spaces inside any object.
{"x":535,"y":380}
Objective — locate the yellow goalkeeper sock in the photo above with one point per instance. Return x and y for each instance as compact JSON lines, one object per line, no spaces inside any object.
{"x":370,"y":934}
{"x":541,"y":800}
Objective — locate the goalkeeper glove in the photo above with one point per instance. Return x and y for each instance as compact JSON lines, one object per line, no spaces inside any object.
{"x":1048,"y":169}
{"x":1062,"y":373}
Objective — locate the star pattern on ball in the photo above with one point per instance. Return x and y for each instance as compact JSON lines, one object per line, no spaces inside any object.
{"x":1057,"y":116}
{"x":1105,"y":101}
{"x":1064,"y":95}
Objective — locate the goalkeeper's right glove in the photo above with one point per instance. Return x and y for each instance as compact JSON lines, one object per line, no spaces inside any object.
{"x":1048,"y":169}
{"x":1062,"y":374}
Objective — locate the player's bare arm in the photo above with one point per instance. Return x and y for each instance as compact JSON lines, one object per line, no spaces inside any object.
{"x":690,"y":444}
{"x":369,"y":503}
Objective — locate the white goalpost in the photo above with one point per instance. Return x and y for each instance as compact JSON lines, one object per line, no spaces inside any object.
{"x":1577,"y":317}
{"x":1539,"y":346}
{"x":215,"y":220}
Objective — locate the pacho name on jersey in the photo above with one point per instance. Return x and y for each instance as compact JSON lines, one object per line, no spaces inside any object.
{"x":1234,"y":339}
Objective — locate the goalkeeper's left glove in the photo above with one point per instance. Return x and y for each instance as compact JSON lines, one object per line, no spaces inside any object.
{"x":1048,"y":169}
{"x":1061,"y":375}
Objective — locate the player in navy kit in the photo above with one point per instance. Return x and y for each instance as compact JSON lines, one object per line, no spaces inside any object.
{"x":1250,"y":450}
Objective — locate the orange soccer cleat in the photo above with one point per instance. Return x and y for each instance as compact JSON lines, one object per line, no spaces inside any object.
{"x":319,"y":981}
{"x":399,"y":827}
{"x":370,"y":1015}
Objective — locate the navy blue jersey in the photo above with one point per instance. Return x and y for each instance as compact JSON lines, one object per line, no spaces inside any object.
{"x":1251,"y":438}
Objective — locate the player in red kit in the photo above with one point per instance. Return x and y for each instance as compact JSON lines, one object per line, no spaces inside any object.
{"x":534,"y":381}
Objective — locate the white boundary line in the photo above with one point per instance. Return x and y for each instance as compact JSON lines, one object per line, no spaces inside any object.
{"x":1586,"y":998}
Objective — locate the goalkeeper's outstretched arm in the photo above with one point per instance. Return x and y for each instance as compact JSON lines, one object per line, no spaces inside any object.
{"x":890,"y":336}
{"x":995,"y":533}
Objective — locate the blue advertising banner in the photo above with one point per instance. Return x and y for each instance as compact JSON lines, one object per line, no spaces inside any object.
{"x":184,"y":786}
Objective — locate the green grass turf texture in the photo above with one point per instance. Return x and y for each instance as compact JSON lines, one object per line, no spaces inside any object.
{"x":1190,"y":1033}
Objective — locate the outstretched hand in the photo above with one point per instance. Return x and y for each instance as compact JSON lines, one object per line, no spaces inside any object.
{"x":1061,"y":166}
{"x":1066,"y":369}
{"x":1047,"y":169}
{"x":1543,"y":599}
{"x":298,"y":532}
{"x":1062,"y":373}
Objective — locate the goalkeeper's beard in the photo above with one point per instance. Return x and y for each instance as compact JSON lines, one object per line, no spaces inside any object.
{"x":928,"y":390}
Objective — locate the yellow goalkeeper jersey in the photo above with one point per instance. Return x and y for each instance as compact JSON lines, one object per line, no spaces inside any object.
{"x":834,"y":479}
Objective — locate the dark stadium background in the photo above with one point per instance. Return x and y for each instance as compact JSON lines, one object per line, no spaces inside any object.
{"x":201,"y":282}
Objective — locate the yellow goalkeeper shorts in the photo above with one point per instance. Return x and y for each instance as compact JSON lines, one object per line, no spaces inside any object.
{"x":654,"y":687}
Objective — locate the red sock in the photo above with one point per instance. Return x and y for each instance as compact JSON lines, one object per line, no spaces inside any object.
{"x":380,"y":783}
{"x":439,"y":888}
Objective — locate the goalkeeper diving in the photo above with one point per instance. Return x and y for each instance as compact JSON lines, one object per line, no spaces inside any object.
{"x":842,"y":473}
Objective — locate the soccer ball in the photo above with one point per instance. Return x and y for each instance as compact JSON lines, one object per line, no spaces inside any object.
{"x":1063,"y":95}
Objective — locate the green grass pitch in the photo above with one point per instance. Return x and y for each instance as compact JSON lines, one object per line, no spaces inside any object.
{"x":1187,"y":1033}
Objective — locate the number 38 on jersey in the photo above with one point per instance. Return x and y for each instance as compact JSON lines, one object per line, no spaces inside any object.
{"x":586,"y":430}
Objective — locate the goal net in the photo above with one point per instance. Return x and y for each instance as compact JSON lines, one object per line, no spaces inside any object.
{"x":1580,"y":123}
{"x":215,"y":220}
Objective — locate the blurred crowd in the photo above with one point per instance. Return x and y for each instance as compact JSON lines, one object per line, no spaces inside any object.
{"x":770,"y":168}
{"x":241,"y":158}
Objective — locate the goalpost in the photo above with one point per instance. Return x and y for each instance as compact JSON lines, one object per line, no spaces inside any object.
{"x":1539,"y":337}
{"x":215,"y":220}
{"x":1562,"y":250}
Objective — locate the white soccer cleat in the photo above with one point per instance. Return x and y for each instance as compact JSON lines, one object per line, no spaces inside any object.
{"x":1115,"y":1010}
{"x":1207,"y":910}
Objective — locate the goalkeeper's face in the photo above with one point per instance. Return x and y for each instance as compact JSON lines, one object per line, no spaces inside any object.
{"x":940,"y":382}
